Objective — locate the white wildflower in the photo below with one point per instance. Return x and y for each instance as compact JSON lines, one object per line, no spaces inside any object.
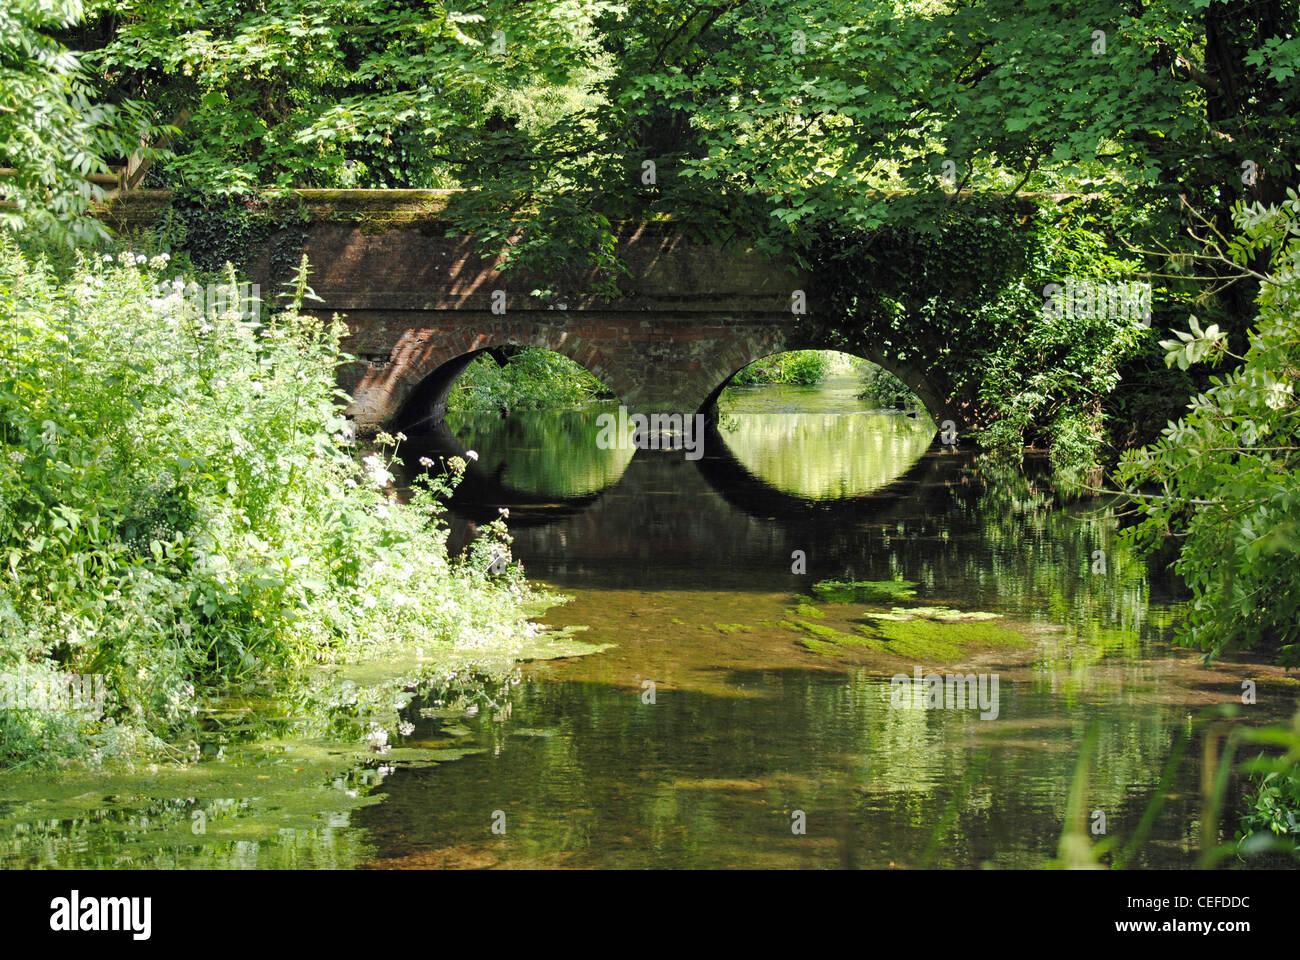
{"x":378,"y":472}
{"x":378,"y":739}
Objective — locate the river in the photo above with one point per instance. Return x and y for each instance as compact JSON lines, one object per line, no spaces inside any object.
{"x":740,"y":719}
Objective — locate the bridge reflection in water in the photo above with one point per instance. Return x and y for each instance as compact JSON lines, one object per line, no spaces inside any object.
{"x":769,"y":483}
{"x":685,"y":567}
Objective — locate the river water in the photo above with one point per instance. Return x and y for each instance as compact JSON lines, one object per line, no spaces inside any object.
{"x":739,"y":719}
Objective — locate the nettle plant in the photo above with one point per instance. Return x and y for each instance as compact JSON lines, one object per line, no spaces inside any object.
{"x":1225,"y":473}
{"x":179,"y":511}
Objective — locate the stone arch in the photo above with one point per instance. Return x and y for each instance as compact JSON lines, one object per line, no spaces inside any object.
{"x":913,"y":376}
{"x":412,"y":385}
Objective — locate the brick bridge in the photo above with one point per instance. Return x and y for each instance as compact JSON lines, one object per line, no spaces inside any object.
{"x":419,"y":306}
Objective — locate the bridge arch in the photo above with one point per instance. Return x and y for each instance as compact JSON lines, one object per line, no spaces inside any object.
{"x":912,"y":375}
{"x":412,"y":387}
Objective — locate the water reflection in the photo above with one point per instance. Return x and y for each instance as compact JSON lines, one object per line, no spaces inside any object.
{"x":687,"y":568}
{"x":542,"y":455}
{"x":1001,"y":541}
{"x":826,"y":456}
{"x":818,"y":443}
{"x":582,"y":515}
{"x":590,"y":776}
{"x":837,"y":452}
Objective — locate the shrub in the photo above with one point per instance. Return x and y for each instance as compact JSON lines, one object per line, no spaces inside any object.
{"x":533,"y":379}
{"x":1224,"y":476}
{"x":179,"y":511}
{"x":885,"y":390}
{"x":805,"y":367}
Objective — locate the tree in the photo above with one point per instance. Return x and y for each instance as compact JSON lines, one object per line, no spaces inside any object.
{"x":1227,"y":471}
{"x":818,"y":129}
{"x":337,"y":93}
{"x":54,"y":129}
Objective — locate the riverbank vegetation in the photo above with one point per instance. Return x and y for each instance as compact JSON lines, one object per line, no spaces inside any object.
{"x":1227,"y":470}
{"x":803,"y":367}
{"x":524,"y":379}
{"x":182,"y":515}
{"x":528,"y":378}
{"x":880,"y":389}
{"x":886,"y":391}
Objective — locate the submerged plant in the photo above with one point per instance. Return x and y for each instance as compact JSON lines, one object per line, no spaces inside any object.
{"x":864,"y":591}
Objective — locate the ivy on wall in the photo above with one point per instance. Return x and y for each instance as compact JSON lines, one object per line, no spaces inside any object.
{"x":963,"y":304}
{"x":213,"y":230}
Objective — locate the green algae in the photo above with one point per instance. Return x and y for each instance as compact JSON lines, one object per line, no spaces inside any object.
{"x":822,"y":639}
{"x":284,"y":768}
{"x":276,"y":768}
{"x":914,"y":638}
{"x":805,"y":609}
{"x":933,"y":632}
{"x":938,"y":639}
{"x":942,"y":614}
{"x":277,"y":804}
{"x":864,"y":591}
